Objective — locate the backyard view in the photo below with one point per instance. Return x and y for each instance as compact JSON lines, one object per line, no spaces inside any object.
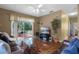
{"x":24,"y":29}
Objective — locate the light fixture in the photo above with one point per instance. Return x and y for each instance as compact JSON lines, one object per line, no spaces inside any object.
{"x":72,"y":14}
{"x":37,"y":10}
{"x":40,"y":5}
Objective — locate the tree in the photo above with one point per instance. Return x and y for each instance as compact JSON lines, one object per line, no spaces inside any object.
{"x":24,"y":26}
{"x":27,"y":26}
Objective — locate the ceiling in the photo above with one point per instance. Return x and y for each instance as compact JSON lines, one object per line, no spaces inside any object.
{"x":39,"y":9}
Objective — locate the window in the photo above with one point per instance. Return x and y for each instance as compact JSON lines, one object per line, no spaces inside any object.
{"x":21,"y":27}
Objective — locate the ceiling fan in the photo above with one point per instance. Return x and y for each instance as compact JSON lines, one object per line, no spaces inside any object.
{"x":36,"y":8}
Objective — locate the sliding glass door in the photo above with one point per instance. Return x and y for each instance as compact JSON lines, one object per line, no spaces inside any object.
{"x":22,"y":28}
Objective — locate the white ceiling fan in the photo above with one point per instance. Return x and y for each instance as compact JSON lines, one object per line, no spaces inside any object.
{"x":37,"y":8}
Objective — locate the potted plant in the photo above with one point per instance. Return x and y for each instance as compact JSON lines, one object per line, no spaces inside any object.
{"x":55,"y":25}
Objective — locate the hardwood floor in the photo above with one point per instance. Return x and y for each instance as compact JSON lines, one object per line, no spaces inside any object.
{"x":46,"y":47}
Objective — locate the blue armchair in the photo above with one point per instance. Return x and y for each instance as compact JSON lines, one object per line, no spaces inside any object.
{"x":73,"y":47}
